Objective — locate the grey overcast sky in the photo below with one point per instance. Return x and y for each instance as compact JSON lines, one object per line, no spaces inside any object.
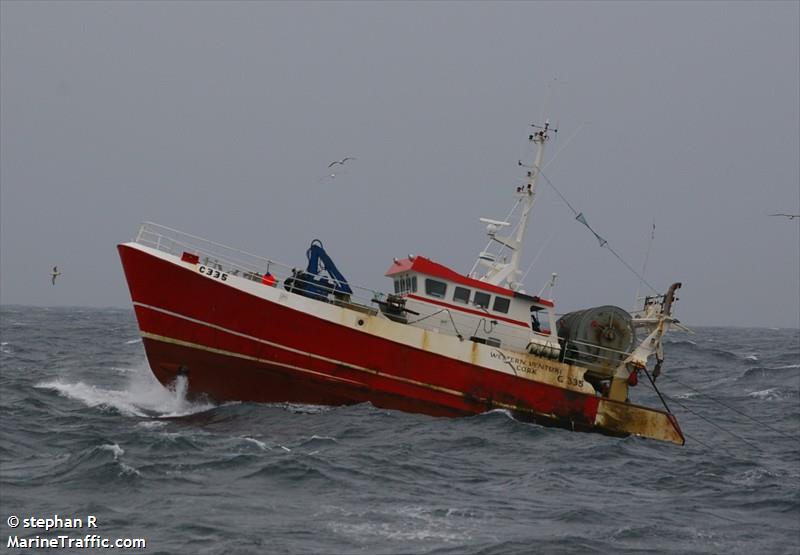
{"x":220,"y":118}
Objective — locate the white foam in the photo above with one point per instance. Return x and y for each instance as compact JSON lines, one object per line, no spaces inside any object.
{"x":504,"y":412}
{"x":406,"y":523}
{"x":132,"y":341}
{"x":754,"y":476}
{"x":327,"y":438}
{"x":152,"y":424}
{"x":299,"y":408}
{"x":114,"y":448}
{"x":398,"y":531}
{"x":128,"y":470}
{"x":117,"y":451}
{"x":261,"y":445}
{"x":142,"y":396}
{"x":687,"y":395}
{"x":92,"y":396}
{"x":766,"y":394}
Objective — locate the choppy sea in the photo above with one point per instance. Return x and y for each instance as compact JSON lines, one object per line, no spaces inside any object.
{"x":86,"y":430}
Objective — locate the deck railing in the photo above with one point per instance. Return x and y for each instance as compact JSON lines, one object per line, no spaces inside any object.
{"x":231,"y":260}
{"x":596,"y":357}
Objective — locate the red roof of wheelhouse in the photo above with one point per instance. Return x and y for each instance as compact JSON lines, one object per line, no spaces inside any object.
{"x":426,"y":266}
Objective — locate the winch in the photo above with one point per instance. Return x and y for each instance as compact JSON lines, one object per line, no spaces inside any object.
{"x":596,"y":338}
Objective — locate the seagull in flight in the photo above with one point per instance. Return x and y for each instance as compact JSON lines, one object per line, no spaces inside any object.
{"x":54,"y":274}
{"x":790,"y":216}
{"x":340,"y":162}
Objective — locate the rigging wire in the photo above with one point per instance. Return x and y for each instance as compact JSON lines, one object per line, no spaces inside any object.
{"x":646,"y":257}
{"x":706,"y":445}
{"x":649,"y":246}
{"x":564,"y":146}
{"x":653,"y":383}
{"x":603,"y":243}
{"x":700,"y":416}
{"x":660,"y":396}
{"x":727,"y":406}
{"x":538,"y":254}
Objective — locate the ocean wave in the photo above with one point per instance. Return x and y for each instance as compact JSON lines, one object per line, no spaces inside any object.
{"x":117,"y":451}
{"x":505,"y":412}
{"x":123,"y":370}
{"x":152,"y":424}
{"x":755,"y":476}
{"x":293,"y":470}
{"x":97,"y":463}
{"x":260,"y":444}
{"x":687,"y":395}
{"x":771,"y":372}
{"x":143,"y":397}
{"x":316,"y":440}
{"x":299,"y":408}
{"x":97,"y":437}
{"x":767,"y":394}
{"x":671,"y":341}
{"x":409,"y":523}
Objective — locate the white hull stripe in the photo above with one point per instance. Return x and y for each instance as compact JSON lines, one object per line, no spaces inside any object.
{"x":182,"y":343}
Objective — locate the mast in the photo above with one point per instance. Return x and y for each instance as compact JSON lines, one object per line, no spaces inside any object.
{"x":505,"y":271}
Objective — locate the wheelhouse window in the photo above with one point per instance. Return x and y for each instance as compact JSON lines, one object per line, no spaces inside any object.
{"x":501,"y":304}
{"x":482,"y":299}
{"x":405,"y":284}
{"x":461,"y":295}
{"x":539,"y":321}
{"x":435,"y":288}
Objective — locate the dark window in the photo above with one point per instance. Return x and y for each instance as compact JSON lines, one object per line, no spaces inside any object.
{"x":482,"y":299}
{"x":539,"y":321}
{"x":414,"y":284}
{"x":396,"y":286}
{"x":435,"y":288}
{"x":407,"y":284}
{"x":501,"y":304}
{"x":461,"y":295}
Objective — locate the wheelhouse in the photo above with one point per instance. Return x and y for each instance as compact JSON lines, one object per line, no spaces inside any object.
{"x":440,"y":299}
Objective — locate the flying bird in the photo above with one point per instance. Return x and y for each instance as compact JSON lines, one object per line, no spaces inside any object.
{"x":340,"y":162}
{"x":790,"y":216}
{"x":54,"y":274}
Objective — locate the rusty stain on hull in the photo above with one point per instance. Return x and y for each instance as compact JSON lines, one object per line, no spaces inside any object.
{"x":618,"y":416}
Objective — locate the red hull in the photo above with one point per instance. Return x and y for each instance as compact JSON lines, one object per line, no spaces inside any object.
{"x":236,"y":346}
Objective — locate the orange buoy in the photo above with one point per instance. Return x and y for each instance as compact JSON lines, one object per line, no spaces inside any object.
{"x":269,"y":279}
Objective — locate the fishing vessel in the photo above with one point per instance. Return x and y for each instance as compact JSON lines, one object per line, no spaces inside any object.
{"x":237,"y":326}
